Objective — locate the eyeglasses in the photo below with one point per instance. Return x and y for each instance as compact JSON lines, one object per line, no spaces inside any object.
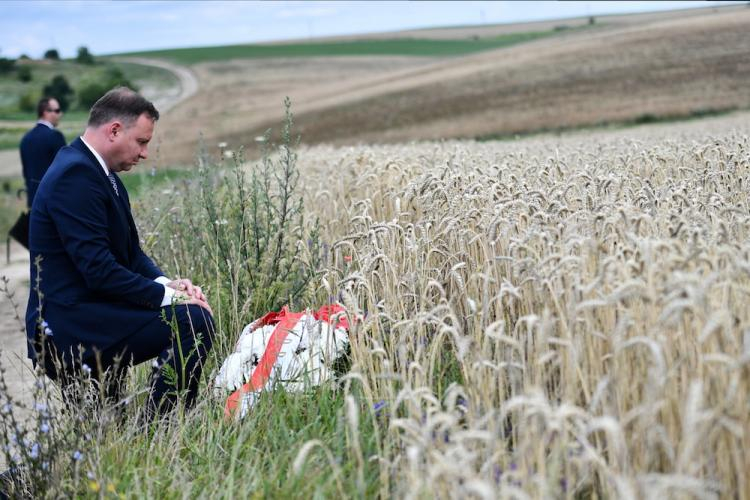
{"x":58,"y":110}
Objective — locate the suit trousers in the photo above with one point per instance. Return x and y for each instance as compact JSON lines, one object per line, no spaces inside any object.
{"x":178,"y":342}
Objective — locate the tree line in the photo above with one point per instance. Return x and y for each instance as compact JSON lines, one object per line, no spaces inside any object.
{"x":87,"y":93}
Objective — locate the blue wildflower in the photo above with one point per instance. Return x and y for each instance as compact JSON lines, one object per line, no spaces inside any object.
{"x":380,"y":408}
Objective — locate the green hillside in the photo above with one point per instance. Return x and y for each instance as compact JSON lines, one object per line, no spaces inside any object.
{"x":392,"y":47}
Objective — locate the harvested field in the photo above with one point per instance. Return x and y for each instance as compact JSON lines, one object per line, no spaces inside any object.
{"x":619,"y":72}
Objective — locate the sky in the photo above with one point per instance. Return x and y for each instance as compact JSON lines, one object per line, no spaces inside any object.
{"x":31,"y":27}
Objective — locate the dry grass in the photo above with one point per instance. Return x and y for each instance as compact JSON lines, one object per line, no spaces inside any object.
{"x":547,"y":320}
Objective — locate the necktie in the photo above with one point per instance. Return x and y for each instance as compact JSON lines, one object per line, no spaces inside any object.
{"x":111,"y":178}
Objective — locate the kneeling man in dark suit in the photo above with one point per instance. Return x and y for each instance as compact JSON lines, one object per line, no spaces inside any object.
{"x":97,"y":302}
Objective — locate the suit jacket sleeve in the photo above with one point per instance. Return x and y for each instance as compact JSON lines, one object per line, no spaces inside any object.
{"x":78,"y":206}
{"x":145,"y":266}
{"x":58,"y":142}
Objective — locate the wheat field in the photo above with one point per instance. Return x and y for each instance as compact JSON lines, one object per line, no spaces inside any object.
{"x":545,"y":320}
{"x":554,"y":317}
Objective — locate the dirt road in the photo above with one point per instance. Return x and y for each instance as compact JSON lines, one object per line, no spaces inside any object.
{"x":166,"y":100}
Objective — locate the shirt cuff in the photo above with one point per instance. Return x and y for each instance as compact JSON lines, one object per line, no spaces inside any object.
{"x":168,"y":296}
{"x":162,"y":280}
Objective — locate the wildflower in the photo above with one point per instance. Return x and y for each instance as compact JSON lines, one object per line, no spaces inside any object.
{"x":94,"y":486}
{"x":34,"y":450}
{"x":77,"y":455}
{"x":497,"y":473}
{"x":222,"y":145}
{"x":86,"y":368}
{"x":6,"y":409}
{"x":44,"y":428}
{"x":45,"y":465}
{"x":155,"y":364}
{"x":461,"y":403}
{"x":40,"y":407}
{"x":39,"y":384}
{"x":379,"y":407}
{"x":260,"y":138}
{"x":111,"y":488}
{"x":48,"y":331}
{"x":347,"y":258}
{"x":90,"y":474}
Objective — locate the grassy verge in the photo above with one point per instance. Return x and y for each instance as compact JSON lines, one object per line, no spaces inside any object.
{"x":140,"y":181}
{"x":137,"y":183}
{"x":392,"y":47}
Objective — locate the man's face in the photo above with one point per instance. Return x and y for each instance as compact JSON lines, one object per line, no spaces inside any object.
{"x":130,"y":144}
{"x":52,"y":112}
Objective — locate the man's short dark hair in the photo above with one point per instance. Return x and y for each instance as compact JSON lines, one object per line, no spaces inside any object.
{"x":122,"y":104}
{"x":42,"y":106}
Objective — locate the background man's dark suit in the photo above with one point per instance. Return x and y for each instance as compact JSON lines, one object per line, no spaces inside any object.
{"x":38,"y":148}
{"x":98,"y":288}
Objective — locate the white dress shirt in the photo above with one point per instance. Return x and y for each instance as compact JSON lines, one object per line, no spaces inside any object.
{"x":162,"y":280}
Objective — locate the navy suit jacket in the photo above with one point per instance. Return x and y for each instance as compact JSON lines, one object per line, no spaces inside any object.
{"x":96,"y":283}
{"x":38,"y":148}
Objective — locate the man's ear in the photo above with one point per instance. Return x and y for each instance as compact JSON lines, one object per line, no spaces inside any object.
{"x":113,"y":130}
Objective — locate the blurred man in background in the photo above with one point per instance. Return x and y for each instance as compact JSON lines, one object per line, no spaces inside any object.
{"x":40,"y":145}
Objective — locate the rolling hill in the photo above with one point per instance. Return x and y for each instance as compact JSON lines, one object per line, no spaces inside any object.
{"x":625,"y":69}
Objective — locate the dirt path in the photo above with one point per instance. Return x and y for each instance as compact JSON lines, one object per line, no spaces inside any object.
{"x":18,"y":370}
{"x":10,"y":163}
{"x":164,"y":101}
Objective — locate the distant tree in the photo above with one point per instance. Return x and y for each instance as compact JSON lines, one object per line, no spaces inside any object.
{"x":90,"y":92}
{"x":23,"y":57}
{"x":60,"y":89}
{"x":24,"y":74}
{"x":592,"y":20}
{"x":52,"y":54}
{"x":6,"y":65}
{"x":84,"y":56}
{"x":27,"y":102}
